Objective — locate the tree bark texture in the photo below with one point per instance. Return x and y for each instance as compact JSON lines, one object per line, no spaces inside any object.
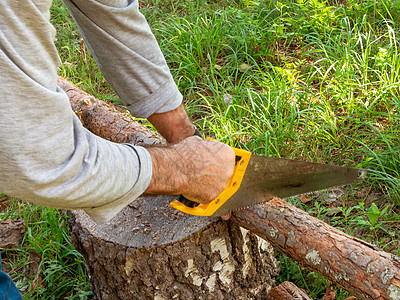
{"x":360,"y":268}
{"x":104,"y":120}
{"x":151,"y":251}
{"x":288,"y":291}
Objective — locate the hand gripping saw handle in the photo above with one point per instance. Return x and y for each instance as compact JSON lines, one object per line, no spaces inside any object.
{"x":193,"y":208}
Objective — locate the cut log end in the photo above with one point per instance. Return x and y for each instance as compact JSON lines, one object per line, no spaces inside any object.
{"x":146,"y":222}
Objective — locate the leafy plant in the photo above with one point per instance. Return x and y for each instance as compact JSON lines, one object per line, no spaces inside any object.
{"x":374,"y":215}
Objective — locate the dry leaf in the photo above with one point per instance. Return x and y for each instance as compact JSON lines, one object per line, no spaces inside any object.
{"x":11,"y":233}
{"x":83,"y":51}
{"x":305,"y":199}
{"x":333,"y":212}
{"x":34,"y":262}
{"x":36,"y":283}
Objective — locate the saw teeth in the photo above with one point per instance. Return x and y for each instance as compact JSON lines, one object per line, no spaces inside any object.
{"x":246,"y":207}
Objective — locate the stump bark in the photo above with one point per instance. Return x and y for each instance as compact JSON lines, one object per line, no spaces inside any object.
{"x":151,"y":251}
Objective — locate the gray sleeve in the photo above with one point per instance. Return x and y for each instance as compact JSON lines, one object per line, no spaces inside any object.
{"x":46,"y":156}
{"x":129,"y":57}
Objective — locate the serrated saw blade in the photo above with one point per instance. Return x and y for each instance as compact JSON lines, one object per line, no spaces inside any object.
{"x":268,"y":177}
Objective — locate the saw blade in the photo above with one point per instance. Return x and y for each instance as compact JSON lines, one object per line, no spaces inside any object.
{"x":269,"y":177}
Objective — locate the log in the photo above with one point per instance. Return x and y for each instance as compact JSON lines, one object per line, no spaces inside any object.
{"x":357,"y":266}
{"x":104,"y":120}
{"x":360,"y":268}
{"x":288,"y":291}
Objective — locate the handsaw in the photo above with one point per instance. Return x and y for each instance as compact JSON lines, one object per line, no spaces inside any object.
{"x":258,"y":179}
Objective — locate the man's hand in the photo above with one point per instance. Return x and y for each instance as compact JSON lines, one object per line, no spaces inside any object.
{"x":198,"y":169}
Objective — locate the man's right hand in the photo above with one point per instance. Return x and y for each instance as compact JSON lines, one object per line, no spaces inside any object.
{"x":198,"y":169}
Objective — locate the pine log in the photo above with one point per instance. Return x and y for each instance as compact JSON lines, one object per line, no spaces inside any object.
{"x":360,"y":268}
{"x":357,"y":266}
{"x":104,"y":120}
{"x":288,"y":291}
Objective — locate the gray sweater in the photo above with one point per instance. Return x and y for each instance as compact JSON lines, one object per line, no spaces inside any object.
{"x":46,"y":156}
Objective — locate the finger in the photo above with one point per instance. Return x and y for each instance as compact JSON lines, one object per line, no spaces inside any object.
{"x":227,"y":216}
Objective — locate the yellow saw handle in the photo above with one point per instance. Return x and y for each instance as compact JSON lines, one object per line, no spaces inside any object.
{"x":242,"y":160}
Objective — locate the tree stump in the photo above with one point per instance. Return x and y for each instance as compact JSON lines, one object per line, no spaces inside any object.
{"x":151,"y":251}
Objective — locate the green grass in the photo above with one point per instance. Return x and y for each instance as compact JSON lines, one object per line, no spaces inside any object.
{"x":46,"y":266}
{"x":306,"y":79}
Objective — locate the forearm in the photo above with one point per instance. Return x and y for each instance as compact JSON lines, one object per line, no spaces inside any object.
{"x":174,"y":125}
{"x":167,"y":174}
